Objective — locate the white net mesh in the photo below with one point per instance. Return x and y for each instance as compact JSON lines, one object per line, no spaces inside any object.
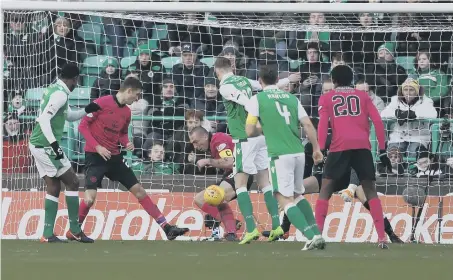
{"x":383,"y":49}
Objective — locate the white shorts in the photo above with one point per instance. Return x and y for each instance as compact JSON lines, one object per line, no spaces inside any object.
{"x":287,"y":174}
{"x":46,"y":163}
{"x":250,"y":156}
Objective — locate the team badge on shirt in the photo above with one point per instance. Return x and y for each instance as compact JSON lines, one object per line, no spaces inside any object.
{"x":221,"y":147}
{"x":150,"y":74}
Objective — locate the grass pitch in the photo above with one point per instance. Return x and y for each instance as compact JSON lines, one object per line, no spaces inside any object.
{"x":137,"y":260}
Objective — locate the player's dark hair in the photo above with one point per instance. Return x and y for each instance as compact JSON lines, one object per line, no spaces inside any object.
{"x":222,"y":63}
{"x":269,"y":74}
{"x":69,"y":71}
{"x":342,"y":76}
{"x":131,"y":83}
{"x":199,"y":130}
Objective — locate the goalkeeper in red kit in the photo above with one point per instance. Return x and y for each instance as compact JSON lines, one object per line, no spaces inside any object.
{"x":349,"y":110}
{"x":103,"y":131}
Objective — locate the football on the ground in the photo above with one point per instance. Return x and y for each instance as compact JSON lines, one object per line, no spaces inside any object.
{"x":214,"y":195}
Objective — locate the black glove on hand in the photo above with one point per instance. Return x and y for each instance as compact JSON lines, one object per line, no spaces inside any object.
{"x":385,"y":160}
{"x":401,"y":116}
{"x":411,"y":115}
{"x":92,"y":107}
{"x":57,"y":150}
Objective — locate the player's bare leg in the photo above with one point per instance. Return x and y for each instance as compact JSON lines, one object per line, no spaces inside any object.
{"x":171,"y":231}
{"x":222,"y":212}
{"x":271,"y":203}
{"x":246,"y":207}
{"x":71,"y":181}
{"x":374,"y":203}
{"x":51,"y":209}
{"x":297,"y":218}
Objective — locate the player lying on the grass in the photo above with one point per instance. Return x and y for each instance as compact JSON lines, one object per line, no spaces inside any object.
{"x":103,"y":131}
{"x":349,"y":110}
{"x":52,"y":164}
{"x":250,"y":153}
{"x":221,"y":147}
{"x":350,"y":187}
{"x":281,"y":114}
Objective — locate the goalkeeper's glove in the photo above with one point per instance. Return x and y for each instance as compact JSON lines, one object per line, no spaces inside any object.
{"x":57,"y":150}
{"x":92,"y":107}
{"x":385,"y":160}
{"x":348,"y":194}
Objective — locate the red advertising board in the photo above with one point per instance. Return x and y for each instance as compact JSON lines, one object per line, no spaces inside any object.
{"x":118,"y":216}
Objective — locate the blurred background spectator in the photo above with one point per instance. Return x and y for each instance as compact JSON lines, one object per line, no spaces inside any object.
{"x":109,"y":81}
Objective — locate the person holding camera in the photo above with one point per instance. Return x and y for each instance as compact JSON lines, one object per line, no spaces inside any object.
{"x":410,"y":133}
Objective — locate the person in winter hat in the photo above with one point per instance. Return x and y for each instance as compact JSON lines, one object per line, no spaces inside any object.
{"x":110,"y":80}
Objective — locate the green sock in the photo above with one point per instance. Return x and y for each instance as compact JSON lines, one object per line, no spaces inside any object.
{"x":272,"y":206}
{"x":72,"y":202}
{"x":50,"y":209}
{"x":305,"y":207}
{"x":246,"y":207}
{"x":298,"y":220}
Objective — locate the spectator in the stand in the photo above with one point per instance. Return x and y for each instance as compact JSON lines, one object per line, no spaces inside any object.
{"x":139,"y":127}
{"x":385,"y":74}
{"x":189,"y":74}
{"x":311,"y":78}
{"x":339,"y":58}
{"x":431,"y":78}
{"x":198,"y":35}
{"x":377,"y":101}
{"x":267,"y":55}
{"x":110,"y":80}
{"x":155,"y":162}
{"x":180,"y":149}
{"x":150,"y":72}
{"x":116,"y":34}
{"x":210,"y":103}
{"x":167,"y":104}
{"x":16,"y":158}
{"x":238,"y":60}
{"x":290,"y":87}
{"x":360,"y":47}
{"x":410,"y":133}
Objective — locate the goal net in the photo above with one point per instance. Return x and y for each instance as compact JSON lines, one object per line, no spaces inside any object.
{"x":403,"y":60}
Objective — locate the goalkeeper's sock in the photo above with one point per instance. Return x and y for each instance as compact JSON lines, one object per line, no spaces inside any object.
{"x":298,"y":220}
{"x":321,"y":209}
{"x":227,"y":218}
{"x":211,"y":210}
{"x":83,"y":211}
{"x":387,"y":226}
{"x":72,"y":202}
{"x":305,"y":207}
{"x":286,"y":224}
{"x":50,"y":209}
{"x":378,"y":218}
{"x":272,"y":206}
{"x":153,"y":211}
{"x":246,"y":207}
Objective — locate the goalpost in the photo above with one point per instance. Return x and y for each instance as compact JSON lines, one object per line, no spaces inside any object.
{"x":39,"y":36}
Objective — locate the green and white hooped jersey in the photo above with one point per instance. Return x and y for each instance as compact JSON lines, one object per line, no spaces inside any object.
{"x":58,"y":120}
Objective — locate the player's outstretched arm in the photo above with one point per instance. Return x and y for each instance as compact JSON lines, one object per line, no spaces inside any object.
{"x":375,"y":117}
{"x":77,"y":115}
{"x":124,"y":137}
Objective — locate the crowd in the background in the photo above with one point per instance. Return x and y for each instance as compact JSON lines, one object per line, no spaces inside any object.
{"x":407,"y":74}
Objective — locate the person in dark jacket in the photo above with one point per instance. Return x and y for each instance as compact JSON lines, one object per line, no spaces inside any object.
{"x":268,"y":55}
{"x":109,"y":82}
{"x":68,"y":45}
{"x":190,"y":73}
{"x":150,"y":72}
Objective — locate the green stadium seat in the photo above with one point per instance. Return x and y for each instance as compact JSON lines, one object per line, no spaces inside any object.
{"x":168,"y":63}
{"x":128,"y":61}
{"x":80,"y":97}
{"x":92,"y":32}
{"x":209,"y":61}
{"x":91,"y":68}
{"x":133,"y":40}
{"x":295,"y":64}
{"x":160,"y":32}
{"x":33,"y":96}
{"x":407,"y":62}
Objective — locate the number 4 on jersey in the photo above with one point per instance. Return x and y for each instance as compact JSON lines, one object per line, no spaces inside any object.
{"x":283,"y":111}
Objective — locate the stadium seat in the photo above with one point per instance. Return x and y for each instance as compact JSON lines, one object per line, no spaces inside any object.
{"x":295,"y":64}
{"x":91,"y":32}
{"x":160,"y":32}
{"x":91,"y":68}
{"x":33,"y":97}
{"x":209,"y":61}
{"x":407,"y":62}
{"x":80,"y":97}
{"x":168,"y":63}
{"x":152,"y":44}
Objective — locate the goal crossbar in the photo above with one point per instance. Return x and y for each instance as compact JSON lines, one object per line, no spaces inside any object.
{"x":262,"y":7}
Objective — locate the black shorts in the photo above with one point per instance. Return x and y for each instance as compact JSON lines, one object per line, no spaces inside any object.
{"x":115,"y":169}
{"x":230,"y":180}
{"x":341,"y":184}
{"x":339,"y":163}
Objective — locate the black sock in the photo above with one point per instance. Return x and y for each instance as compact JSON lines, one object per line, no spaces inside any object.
{"x":286,"y":224}
{"x":387,"y":225}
